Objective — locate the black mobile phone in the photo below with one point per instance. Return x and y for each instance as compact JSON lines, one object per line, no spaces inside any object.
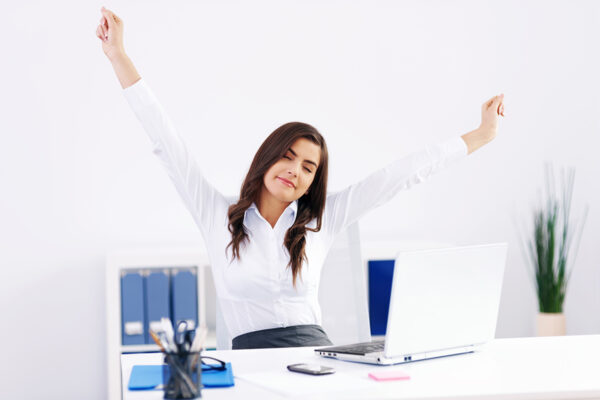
{"x":311,"y":369}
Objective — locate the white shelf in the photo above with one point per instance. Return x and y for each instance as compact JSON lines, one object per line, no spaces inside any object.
{"x":148,"y":258}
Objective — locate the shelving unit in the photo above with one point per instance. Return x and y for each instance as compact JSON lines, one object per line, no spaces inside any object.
{"x":149,"y":259}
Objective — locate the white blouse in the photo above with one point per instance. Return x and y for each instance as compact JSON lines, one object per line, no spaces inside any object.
{"x":256,"y":291}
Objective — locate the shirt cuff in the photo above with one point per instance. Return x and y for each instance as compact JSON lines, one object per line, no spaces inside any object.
{"x":139,"y":94}
{"x":455,"y":149}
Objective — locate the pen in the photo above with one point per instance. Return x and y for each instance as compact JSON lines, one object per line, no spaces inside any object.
{"x":199,"y":339}
{"x":197,"y":344}
{"x":180,"y":334}
{"x":169,"y":334}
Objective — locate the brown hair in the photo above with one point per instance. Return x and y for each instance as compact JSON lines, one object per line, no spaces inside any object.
{"x":310,"y":205}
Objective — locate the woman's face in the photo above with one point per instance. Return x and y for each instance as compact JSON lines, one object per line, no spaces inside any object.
{"x":290,"y":177}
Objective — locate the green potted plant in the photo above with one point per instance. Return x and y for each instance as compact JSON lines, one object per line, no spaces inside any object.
{"x":551,"y":249}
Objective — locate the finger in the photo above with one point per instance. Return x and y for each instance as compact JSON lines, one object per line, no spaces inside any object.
{"x":115,"y":18}
{"x":104,"y":30}
{"x":109,"y":17}
{"x":498,"y":99}
{"x":99,"y":33}
{"x":488,"y":103}
{"x":498,"y":102}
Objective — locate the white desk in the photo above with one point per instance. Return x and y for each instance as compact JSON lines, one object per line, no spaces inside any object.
{"x":525,"y":368}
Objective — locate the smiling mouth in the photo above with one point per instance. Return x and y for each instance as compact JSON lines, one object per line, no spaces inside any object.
{"x":285,"y":181}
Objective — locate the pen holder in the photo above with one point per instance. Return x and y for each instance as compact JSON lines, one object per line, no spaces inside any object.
{"x":182,"y":375}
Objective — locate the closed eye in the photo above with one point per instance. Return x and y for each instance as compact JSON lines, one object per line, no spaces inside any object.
{"x":306,"y":168}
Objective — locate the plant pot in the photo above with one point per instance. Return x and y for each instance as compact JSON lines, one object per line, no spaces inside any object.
{"x":551,"y":324}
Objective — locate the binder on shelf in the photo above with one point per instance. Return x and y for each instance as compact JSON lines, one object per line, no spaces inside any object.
{"x":184,"y":296}
{"x":132,"y":308}
{"x":157,"y":300}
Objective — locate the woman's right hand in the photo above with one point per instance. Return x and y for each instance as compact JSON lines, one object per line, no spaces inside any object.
{"x":110,"y":31}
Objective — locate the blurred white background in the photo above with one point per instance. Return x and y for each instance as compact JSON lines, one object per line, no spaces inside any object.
{"x":378,"y":79}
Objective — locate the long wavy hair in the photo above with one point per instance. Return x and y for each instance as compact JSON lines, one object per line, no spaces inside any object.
{"x":310,"y":205}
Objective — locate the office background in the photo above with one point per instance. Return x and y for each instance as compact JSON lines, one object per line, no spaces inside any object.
{"x":378,"y":78}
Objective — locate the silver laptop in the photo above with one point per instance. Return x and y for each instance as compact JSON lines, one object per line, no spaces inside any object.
{"x":443,"y":302}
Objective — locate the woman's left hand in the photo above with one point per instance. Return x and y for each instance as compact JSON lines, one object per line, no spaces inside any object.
{"x":491,"y":110}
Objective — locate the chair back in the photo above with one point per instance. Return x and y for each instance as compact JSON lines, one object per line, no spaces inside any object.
{"x":343,"y":291}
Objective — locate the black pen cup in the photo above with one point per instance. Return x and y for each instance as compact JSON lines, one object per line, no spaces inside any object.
{"x":182,"y":375}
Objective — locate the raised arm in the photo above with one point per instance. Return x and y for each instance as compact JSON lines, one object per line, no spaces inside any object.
{"x":348,"y":205}
{"x":202,"y":200}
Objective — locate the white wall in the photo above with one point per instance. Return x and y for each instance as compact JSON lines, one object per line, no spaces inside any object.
{"x":377,"y":78}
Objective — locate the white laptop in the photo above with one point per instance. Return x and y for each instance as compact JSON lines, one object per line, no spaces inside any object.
{"x":443,"y":302}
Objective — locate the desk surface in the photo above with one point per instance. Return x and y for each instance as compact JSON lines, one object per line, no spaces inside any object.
{"x":524,"y":368}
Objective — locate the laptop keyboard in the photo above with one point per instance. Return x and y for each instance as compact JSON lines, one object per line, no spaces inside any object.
{"x":357,"y":348}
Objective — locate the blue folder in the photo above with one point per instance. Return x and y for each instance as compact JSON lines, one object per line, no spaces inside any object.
{"x":381,"y":273}
{"x":184,"y":300}
{"x":150,"y":377}
{"x":132,"y":308}
{"x":157,"y":299}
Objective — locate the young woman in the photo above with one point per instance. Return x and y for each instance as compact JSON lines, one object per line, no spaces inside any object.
{"x":267,"y":248}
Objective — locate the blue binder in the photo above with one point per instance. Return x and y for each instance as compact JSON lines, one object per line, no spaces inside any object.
{"x":157,"y":300}
{"x":132,"y":308}
{"x":381,"y":273}
{"x":150,"y":377}
{"x":184,"y":296}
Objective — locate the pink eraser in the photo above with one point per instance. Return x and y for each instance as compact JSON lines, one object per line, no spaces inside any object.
{"x":389,"y":375}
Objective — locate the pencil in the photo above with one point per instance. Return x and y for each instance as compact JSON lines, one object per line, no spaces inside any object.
{"x":157,"y":341}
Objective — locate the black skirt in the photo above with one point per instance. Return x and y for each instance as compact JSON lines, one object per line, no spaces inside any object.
{"x":291,"y":336}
